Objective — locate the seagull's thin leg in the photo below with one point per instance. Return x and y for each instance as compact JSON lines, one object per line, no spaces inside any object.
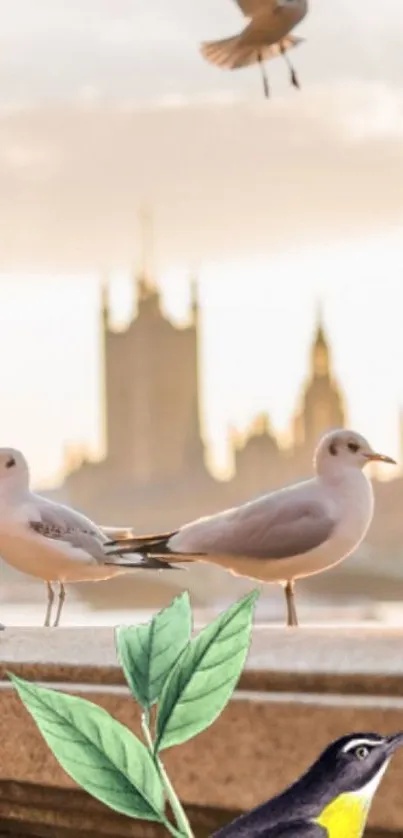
{"x":292,"y":619}
{"x":62,"y":597}
{"x":293,"y":75}
{"x":51,"y":596}
{"x":266,"y":88}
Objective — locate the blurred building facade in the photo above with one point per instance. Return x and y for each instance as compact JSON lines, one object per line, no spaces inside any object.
{"x":154,"y":474}
{"x":154,"y":471}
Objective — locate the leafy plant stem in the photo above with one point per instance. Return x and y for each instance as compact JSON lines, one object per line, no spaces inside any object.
{"x":171,"y":828}
{"x":180,"y":815}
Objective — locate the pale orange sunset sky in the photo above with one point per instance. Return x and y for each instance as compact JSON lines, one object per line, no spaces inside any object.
{"x":257,"y":320}
{"x":106,"y":102}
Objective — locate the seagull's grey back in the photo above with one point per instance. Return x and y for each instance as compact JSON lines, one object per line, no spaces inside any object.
{"x":299,"y":530}
{"x":285,"y":523}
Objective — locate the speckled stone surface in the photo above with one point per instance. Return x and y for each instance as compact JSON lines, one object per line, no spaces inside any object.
{"x":260,"y":743}
{"x":348,"y":660}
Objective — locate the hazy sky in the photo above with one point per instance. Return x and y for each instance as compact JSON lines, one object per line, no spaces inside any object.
{"x":105,"y":103}
{"x":125,"y":49}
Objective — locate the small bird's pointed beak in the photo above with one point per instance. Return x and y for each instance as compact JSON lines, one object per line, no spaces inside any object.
{"x":372,"y":456}
{"x":394,"y":742}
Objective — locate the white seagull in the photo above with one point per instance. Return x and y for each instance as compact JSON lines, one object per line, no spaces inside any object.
{"x":286,"y":535}
{"x":267,"y":35}
{"x":53,"y":542}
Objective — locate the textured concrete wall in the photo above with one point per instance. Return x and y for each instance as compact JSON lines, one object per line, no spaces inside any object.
{"x":326,"y":684}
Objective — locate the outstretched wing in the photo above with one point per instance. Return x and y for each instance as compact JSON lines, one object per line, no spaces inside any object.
{"x":253,"y":7}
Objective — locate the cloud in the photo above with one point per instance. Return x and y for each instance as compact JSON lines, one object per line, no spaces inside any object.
{"x":222,"y":177}
{"x":130,"y":48}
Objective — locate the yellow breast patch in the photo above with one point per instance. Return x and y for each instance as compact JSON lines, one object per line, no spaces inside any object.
{"x":345,"y":817}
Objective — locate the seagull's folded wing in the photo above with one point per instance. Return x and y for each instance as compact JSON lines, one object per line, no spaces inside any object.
{"x":64,"y":524}
{"x":277,"y":526}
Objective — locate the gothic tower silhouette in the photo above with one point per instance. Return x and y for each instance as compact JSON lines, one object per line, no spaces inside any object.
{"x":152,"y":423}
{"x":321,"y":406}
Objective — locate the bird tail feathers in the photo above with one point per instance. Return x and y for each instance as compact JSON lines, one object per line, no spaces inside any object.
{"x":140,"y":562}
{"x":231,"y":53}
{"x":151,"y":548}
{"x":228,"y":53}
{"x":147,"y":544}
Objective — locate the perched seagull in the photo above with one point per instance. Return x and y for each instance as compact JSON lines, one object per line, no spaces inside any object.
{"x":267,"y":35}
{"x":288,"y":534}
{"x":51,"y":541}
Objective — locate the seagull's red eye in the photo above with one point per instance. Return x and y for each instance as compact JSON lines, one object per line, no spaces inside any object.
{"x":10,"y":463}
{"x":352,"y":446}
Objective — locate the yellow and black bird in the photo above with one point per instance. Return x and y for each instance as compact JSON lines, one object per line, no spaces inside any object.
{"x":331,"y":800}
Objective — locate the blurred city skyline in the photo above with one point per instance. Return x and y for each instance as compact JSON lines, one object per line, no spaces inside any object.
{"x":273,"y":205}
{"x":257,"y":322}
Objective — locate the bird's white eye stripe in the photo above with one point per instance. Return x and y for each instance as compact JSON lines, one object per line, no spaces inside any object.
{"x":354,"y":743}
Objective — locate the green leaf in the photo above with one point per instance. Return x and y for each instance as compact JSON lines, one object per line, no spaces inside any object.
{"x":103,"y":756}
{"x":205,"y":675}
{"x":148,"y":652}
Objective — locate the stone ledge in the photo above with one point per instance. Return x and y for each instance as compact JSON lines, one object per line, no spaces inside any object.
{"x":260,"y":743}
{"x":252,"y":751}
{"x":350,"y":660}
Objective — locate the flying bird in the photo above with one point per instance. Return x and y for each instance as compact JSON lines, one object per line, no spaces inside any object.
{"x":266,"y":35}
{"x":331,"y":800}
{"x":288,"y":534}
{"x":51,"y":541}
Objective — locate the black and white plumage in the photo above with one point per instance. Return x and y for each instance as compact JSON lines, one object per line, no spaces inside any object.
{"x":347,"y":773}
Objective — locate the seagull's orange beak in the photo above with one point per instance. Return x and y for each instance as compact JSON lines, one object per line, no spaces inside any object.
{"x":372,"y":456}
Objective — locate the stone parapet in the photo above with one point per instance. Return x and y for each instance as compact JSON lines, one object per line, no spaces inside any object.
{"x":300,"y":689}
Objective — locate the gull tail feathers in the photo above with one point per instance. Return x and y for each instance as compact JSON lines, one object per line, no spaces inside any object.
{"x":140,"y":543}
{"x":139,"y":562}
{"x":151,"y":547}
{"x":229,"y":53}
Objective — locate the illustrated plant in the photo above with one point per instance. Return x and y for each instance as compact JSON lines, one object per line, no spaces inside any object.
{"x":182,"y":684}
